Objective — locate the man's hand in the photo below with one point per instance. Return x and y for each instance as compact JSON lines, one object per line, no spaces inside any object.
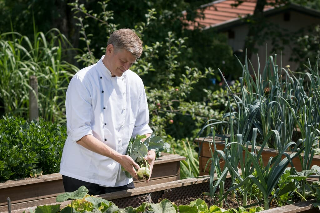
{"x":129,"y":165}
{"x":93,"y":144}
{"x":150,"y":158}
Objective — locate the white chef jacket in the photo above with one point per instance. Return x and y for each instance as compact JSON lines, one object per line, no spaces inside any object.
{"x":112,"y":109}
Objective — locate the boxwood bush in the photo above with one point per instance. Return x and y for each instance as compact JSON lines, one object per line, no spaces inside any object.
{"x":29,"y":148}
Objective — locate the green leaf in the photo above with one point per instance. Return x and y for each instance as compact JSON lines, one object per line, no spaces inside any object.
{"x":156,"y":143}
{"x":215,"y":209}
{"x":316,"y":205}
{"x":113,"y":208}
{"x":137,"y":149}
{"x":252,"y":210}
{"x":188,"y":209}
{"x":288,"y":188}
{"x":67,"y":209}
{"x":98,"y":201}
{"x":48,"y":209}
{"x":129,"y":209}
{"x":164,"y":206}
{"x":78,"y":194}
{"x":142,"y":207}
{"x":200,"y":204}
{"x":232,"y":210}
{"x":259,"y":209}
{"x":241,"y":209}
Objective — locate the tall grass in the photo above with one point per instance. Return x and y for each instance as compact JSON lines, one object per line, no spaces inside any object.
{"x":41,"y":56}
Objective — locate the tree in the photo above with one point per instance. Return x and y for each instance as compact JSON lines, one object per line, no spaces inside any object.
{"x":258,"y":28}
{"x":256,"y":24}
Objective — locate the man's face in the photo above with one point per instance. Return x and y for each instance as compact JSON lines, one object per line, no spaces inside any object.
{"x":118,"y":61}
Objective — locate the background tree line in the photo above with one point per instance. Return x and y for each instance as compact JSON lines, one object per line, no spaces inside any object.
{"x":176,"y":67}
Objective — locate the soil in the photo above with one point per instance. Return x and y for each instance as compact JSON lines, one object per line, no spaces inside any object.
{"x":229,"y":203}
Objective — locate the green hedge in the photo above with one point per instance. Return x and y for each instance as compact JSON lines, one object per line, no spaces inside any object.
{"x":29,"y":148}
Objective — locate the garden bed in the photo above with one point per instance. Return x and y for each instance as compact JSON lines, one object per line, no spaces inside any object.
{"x":181,"y":192}
{"x":44,"y":189}
{"x":205,"y":154}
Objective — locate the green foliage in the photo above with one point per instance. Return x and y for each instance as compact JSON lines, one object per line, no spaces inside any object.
{"x":138,"y":149}
{"x":78,"y":194}
{"x":88,"y":203}
{"x":48,"y":209}
{"x":20,"y":58}
{"x":307,"y":46}
{"x":275,"y":100}
{"x":189,"y":168}
{"x":164,"y":206}
{"x":266,"y":110}
{"x":170,"y":66}
{"x":29,"y":148}
{"x":91,"y":204}
{"x":174,"y":68}
{"x":169,"y":84}
{"x":164,"y":66}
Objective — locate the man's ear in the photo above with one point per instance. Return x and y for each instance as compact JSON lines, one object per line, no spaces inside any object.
{"x":109,"y":49}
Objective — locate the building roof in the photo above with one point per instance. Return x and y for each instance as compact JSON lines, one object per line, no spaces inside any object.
{"x":223,"y":14}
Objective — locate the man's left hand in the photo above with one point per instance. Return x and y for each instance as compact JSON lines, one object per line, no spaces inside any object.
{"x":151,"y":156}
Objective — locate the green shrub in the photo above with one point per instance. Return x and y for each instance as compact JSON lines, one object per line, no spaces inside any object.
{"x":29,"y":148}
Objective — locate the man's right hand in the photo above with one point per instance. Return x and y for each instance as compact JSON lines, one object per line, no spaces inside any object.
{"x":129,"y":165}
{"x":93,"y":144}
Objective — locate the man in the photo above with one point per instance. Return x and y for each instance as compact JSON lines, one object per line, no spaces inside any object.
{"x":106,"y":105}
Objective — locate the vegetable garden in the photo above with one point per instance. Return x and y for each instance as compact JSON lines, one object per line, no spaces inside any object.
{"x":269,"y":107}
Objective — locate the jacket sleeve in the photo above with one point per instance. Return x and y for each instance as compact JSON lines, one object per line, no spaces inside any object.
{"x":141,"y":126}
{"x":78,"y":109}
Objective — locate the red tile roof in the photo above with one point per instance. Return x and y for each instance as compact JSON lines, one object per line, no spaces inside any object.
{"x":223,"y":11}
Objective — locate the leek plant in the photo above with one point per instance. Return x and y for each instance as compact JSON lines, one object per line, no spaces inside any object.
{"x":189,"y":167}
{"x":305,"y":112}
{"x":258,"y":103}
{"x":240,"y":170}
{"x":221,"y":173}
{"x":269,"y":107}
{"x":266,"y":177}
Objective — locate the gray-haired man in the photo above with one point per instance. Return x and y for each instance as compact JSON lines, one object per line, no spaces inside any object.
{"x":106,"y":105}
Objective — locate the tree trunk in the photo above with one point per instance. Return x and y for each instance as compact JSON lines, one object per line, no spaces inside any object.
{"x":254,"y":29}
{"x":66,"y":23}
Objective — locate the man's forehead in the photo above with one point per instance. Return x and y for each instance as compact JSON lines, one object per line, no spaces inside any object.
{"x":126,"y":55}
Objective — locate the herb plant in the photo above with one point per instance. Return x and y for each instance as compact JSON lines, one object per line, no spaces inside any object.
{"x":138,"y":149}
{"x":82,"y":202}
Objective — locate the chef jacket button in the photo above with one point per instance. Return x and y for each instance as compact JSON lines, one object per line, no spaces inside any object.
{"x":105,"y":139}
{"x":104,"y":107}
{"x":102,"y":91}
{"x":105,"y":123}
{"x":100,"y":77}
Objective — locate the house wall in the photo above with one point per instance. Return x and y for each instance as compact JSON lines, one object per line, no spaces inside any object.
{"x":297,"y":21}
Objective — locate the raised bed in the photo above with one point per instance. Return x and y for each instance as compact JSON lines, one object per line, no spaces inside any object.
{"x":44,"y":189}
{"x":175,"y":190}
{"x":134,"y":197}
{"x":205,"y":154}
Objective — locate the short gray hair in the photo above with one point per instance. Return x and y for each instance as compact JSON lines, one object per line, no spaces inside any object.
{"x":126,"y":39}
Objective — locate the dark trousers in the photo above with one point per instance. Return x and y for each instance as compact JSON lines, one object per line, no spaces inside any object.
{"x":72,"y":184}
